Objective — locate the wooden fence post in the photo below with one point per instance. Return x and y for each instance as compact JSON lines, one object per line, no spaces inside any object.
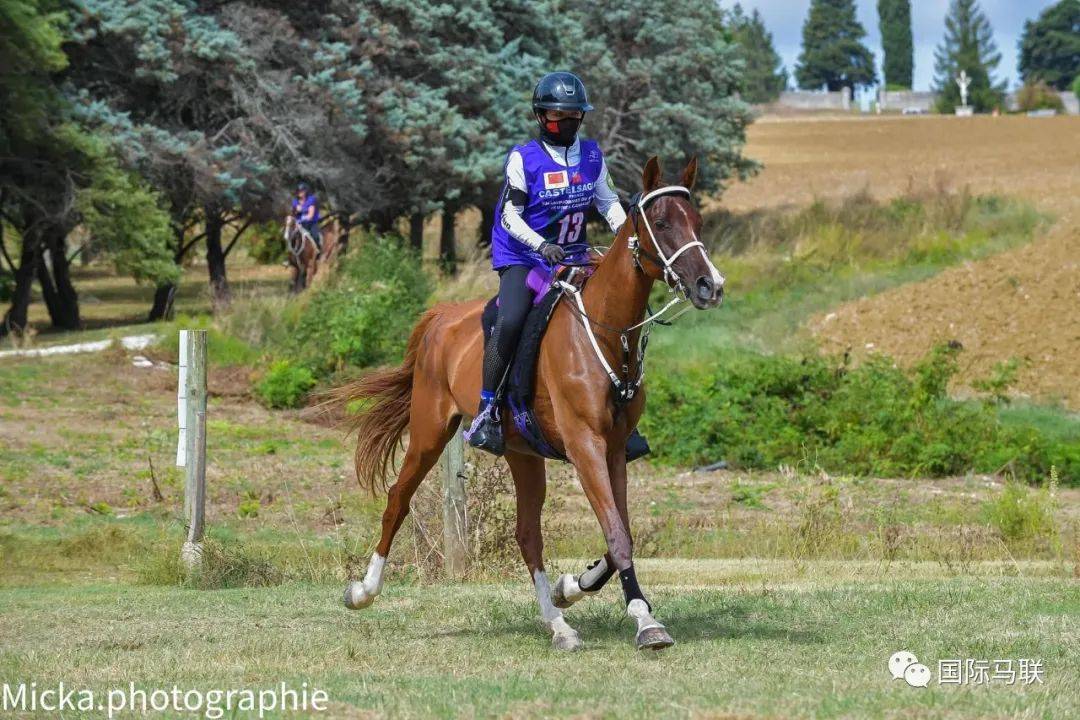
{"x":191,"y":453}
{"x":455,"y":532}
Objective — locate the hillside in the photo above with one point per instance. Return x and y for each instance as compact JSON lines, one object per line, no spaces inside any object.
{"x":1023,"y":303}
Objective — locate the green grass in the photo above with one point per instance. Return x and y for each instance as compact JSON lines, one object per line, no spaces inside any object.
{"x":754,"y":640}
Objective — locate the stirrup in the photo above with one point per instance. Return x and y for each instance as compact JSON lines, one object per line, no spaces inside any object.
{"x":485,"y":432}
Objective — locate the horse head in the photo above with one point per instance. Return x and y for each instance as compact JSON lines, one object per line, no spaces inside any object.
{"x":668,"y":228}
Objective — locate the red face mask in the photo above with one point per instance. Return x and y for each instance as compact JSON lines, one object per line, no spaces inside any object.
{"x":561,"y":132}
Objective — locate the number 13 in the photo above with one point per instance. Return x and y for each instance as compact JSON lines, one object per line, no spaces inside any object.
{"x":568,"y":234}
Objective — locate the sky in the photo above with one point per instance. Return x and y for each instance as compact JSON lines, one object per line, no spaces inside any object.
{"x":784,"y":19}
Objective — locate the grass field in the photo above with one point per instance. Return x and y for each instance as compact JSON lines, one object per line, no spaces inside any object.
{"x":755,"y":639}
{"x":786,"y":590}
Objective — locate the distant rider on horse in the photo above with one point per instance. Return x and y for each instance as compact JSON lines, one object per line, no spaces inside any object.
{"x":549,"y":185}
{"x":305,"y":208}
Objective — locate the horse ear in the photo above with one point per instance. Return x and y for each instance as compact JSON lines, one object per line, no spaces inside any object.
{"x":652,"y":175}
{"x":689,"y":175}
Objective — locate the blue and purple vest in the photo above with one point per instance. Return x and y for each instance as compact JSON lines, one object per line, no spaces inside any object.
{"x":559,"y":201}
{"x":300,"y":210}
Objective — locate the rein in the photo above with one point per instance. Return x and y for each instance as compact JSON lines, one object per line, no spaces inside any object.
{"x":625,"y":389}
{"x":296,"y":248}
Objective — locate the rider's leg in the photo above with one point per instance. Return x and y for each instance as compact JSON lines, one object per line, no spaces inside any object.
{"x":515,"y":300}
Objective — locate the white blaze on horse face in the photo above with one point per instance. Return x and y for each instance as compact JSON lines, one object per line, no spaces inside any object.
{"x":359,"y":595}
{"x":717,"y":278}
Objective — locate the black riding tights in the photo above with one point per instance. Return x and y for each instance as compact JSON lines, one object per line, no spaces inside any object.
{"x":515,"y":300}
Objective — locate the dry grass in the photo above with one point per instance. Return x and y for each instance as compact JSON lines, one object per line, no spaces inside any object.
{"x":1021,"y":304}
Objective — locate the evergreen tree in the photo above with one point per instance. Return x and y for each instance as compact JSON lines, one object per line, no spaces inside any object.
{"x":968,"y":45}
{"x":764,"y":77}
{"x":55,"y":175}
{"x":833,"y":54}
{"x":1050,"y":46}
{"x":663,"y":79}
{"x":894,"y":18}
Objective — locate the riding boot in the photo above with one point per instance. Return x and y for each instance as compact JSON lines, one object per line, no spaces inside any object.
{"x":486,"y":433}
{"x":636,"y":446}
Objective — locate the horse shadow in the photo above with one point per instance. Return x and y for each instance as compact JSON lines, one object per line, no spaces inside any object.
{"x":695,"y":618}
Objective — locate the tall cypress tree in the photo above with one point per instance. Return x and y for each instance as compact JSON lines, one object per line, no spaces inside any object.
{"x":763,"y":75}
{"x":894,"y":18}
{"x":833,"y":54}
{"x":968,"y":45}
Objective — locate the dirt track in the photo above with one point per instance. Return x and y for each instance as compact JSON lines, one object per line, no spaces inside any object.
{"x":1023,"y":303}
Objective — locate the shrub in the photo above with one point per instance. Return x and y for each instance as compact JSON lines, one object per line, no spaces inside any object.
{"x":876,"y":419}
{"x":1020,"y":514}
{"x":265,"y":242}
{"x":1039,"y":96}
{"x":363,"y":315}
{"x":285,"y":384}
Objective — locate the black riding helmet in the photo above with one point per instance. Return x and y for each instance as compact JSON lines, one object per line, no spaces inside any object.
{"x":560,"y":91}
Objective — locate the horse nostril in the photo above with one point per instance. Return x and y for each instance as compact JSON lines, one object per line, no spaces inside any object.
{"x":705,"y":288}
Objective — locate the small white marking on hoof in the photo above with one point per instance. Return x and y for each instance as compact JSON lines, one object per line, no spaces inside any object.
{"x":566,"y":591}
{"x":567,"y":642}
{"x":654,"y":638}
{"x":651,"y":635}
{"x":357,"y":597}
{"x":361,"y":593}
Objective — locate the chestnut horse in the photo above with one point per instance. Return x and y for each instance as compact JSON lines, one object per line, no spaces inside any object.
{"x":580,"y":415}
{"x":303,"y":254}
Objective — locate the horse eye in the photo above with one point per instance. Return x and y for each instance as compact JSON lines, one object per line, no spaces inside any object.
{"x":662,"y":225}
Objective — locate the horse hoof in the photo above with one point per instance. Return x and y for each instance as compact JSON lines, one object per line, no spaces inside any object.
{"x":357,"y":597}
{"x":654,"y":638}
{"x":558,"y":593}
{"x":566,"y":642}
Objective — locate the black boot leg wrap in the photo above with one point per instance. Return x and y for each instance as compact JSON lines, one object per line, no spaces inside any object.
{"x":631,"y":589}
{"x":600,"y":581}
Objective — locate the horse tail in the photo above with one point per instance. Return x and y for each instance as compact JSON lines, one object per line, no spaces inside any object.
{"x":376,"y":406}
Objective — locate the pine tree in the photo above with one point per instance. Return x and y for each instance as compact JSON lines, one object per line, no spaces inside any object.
{"x":663,"y":78}
{"x":969,"y":46}
{"x":1050,"y":46}
{"x":763,"y":75}
{"x":833,"y":54}
{"x":894,"y":17}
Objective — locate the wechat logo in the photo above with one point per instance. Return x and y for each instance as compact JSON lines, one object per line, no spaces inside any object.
{"x":904,"y":664}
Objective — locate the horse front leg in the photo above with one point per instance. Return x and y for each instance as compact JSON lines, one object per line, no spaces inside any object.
{"x":603,"y":477}
{"x":530,"y":489}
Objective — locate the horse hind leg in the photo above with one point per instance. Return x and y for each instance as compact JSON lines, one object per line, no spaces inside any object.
{"x":530,"y":489}
{"x":427,"y":438}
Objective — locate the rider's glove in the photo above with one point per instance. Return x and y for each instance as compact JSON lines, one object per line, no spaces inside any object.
{"x":552,"y":253}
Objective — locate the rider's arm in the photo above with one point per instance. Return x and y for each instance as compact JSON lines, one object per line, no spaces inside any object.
{"x":514,"y":201}
{"x":607,"y":202}
{"x":310,"y":212}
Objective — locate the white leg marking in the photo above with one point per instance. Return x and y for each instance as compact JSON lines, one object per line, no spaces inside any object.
{"x":639,"y":611}
{"x":361,"y":593}
{"x":563,"y":636}
{"x":568,"y":588}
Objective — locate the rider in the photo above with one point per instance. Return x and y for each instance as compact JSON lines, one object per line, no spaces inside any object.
{"x":549,"y":185}
{"x":305,"y":208}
